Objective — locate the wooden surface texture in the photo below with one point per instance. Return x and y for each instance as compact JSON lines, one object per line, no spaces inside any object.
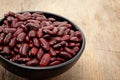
{"x":100,"y":22}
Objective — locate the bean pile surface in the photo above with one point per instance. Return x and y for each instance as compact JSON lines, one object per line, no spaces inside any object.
{"x":32,"y":39}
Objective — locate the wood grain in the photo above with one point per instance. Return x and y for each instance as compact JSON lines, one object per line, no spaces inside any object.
{"x":99,"y":20}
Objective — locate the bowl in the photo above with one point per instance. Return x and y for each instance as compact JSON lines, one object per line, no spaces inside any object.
{"x":43,"y":72}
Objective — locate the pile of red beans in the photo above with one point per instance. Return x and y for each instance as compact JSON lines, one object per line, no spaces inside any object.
{"x":33,"y":39}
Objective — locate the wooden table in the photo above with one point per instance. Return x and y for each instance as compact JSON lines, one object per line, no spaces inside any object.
{"x":100,"y":22}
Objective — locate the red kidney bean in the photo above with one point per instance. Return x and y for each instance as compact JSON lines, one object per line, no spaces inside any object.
{"x":77,"y":44}
{"x":24,"y":49}
{"x":39,"y":33}
{"x":19,"y":30}
{"x":65,"y":38}
{"x":72,"y":52}
{"x":9,"y":30}
{"x":40,"y":18}
{"x":76,"y":49}
{"x":32,"y":33}
{"x":40,"y":54}
{"x":44,"y":44}
{"x":33,"y":62}
{"x":27,"y":15}
{"x":33,"y":25}
{"x":23,"y":60}
{"x":45,"y":60}
{"x":20,"y":49}
{"x":60,"y":59}
{"x":54,"y":63}
{"x":63,"y":23}
{"x":50,"y":27}
{"x":36,"y":42}
{"x":51,"y":19}
{"x":72,"y":44}
{"x":7,"y":38}
{"x":33,"y":51}
{"x":61,"y":31}
{"x":13,"y":23}
{"x":14,"y":58}
{"x":12,"y":42}
{"x":74,"y":39}
{"x":47,"y":37}
{"x":58,"y":38}
{"x":6,"y":50}
{"x":67,"y":32}
{"x":65,"y":54}
{"x":52,"y":59}
{"x":21,"y":37}
{"x":52,"y":52}
{"x":2,"y":35}
{"x":57,"y":45}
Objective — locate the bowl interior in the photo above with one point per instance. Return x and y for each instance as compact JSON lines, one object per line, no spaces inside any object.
{"x":58,"y":18}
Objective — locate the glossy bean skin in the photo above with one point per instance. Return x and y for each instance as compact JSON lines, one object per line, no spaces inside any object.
{"x":12,"y":42}
{"x":33,"y":62}
{"x":24,"y":50}
{"x":45,"y":60}
{"x":7,"y":38}
{"x":21,"y":37}
{"x":40,"y":54}
{"x":36,"y":42}
{"x":44,"y":44}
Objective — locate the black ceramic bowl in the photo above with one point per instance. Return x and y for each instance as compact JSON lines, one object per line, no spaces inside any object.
{"x":43,"y":72}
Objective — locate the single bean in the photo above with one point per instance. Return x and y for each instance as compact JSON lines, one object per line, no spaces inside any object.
{"x":54,"y":63}
{"x":12,"y":42}
{"x":36,"y":42}
{"x":72,"y":52}
{"x":9,"y":30}
{"x":32,"y":33}
{"x":76,"y":49}
{"x":7,"y":38}
{"x":65,"y":37}
{"x":44,"y":44}
{"x":24,"y":50}
{"x":21,"y":37}
{"x":23,"y":60}
{"x":52,"y":52}
{"x":61,"y":31}
{"x":60,"y":59}
{"x":65,"y":55}
{"x":33,"y":62}
{"x":45,"y":60}
{"x":39,"y":33}
{"x":52,"y":59}
{"x":40,"y":54}
{"x":33,"y":51}
{"x":6,"y":50}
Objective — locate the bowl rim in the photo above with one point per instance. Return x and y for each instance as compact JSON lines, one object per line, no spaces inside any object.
{"x":55,"y":66}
